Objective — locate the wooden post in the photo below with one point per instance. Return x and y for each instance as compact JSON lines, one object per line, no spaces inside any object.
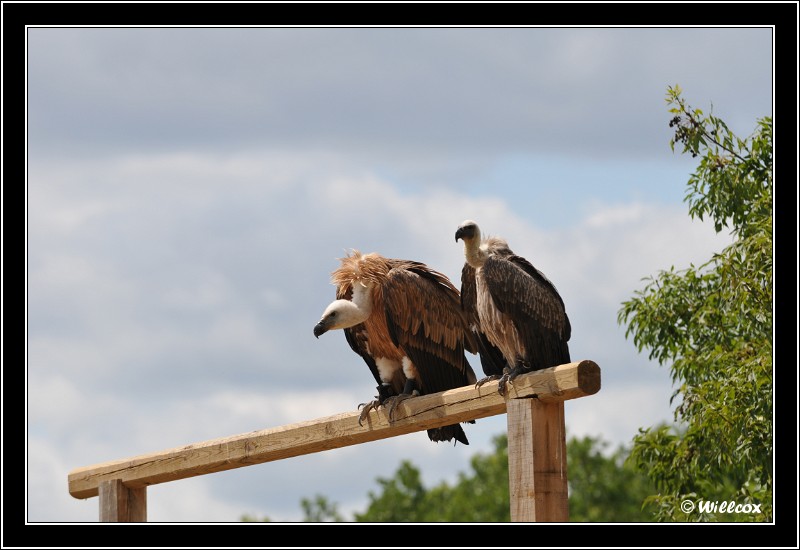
{"x":537,"y":461}
{"x":122,"y":504}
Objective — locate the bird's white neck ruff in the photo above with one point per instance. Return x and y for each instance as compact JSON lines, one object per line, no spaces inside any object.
{"x":475,"y":253}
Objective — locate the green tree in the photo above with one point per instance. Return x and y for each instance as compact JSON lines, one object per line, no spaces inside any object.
{"x":320,"y":510}
{"x":481,"y":496}
{"x":317,"y":510}
{"x":712,"y":325}
{"x":602,"y":489}
{"x":247,"y":518}
{"x":402,"y":498}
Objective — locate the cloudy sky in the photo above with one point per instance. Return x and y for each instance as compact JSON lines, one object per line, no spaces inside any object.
{"x":190,"y":190}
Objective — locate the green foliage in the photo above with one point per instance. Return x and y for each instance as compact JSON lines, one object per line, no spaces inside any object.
{"x":479,"y":497}
{"x":602,"y":487}
{"x":401,"y":498}
{"x":320,"y":510}
{"x":247,"y":518}
{"x":713,"y":325}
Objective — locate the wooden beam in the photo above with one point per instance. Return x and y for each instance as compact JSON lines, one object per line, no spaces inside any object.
{"x":537,"y":461}
{"x":569,"y":381}
{"x":119,"y":503}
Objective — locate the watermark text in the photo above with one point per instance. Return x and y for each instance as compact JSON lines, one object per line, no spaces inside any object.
{"x":719,"y":507}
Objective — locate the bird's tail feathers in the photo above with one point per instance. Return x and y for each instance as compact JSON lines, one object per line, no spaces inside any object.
{"x":448,"y":433}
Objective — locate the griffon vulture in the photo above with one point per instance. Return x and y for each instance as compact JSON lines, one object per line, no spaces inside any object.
{"x":404,"y":319}
{"x":512,"y":304}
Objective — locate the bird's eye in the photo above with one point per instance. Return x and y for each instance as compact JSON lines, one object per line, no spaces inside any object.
{"x":333,"y":314}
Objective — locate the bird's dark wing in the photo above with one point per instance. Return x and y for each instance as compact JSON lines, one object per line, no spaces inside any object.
{"x":469,"y":296}
{"x":528,"y":298}
{"x":423,"y":314}
{"x":492,"y":360}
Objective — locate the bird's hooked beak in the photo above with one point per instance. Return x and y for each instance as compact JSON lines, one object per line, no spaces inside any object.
{"x":320,"y":329}
{"x":467,"y":230}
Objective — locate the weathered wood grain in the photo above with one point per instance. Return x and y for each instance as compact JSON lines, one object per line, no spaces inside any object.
{"x":119,"y":504}
{"x":569,"y":381}
{"x":537,"y":461}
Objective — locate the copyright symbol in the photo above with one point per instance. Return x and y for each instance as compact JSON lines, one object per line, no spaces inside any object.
{"x":687,"y":506}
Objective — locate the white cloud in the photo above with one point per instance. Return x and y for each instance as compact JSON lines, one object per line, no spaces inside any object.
{"x":48,"y":498}
{"x":609,"y":413}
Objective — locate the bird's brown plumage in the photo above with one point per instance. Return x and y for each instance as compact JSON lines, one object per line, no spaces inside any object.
{"x":415,"y":328}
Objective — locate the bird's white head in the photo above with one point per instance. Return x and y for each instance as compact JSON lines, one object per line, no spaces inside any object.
{"x":468,"y":230}
{"x":470,"y":233}
{"x":341,"y":314}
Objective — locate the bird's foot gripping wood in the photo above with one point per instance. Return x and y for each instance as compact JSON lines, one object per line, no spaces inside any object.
{"x":374,"y":404}
{"x":396,"y":400}
{"x":384,"y":393}
{"x":409,"y":390}
{"x":482,"y":381}
{"x":509,"y":375}
{"x":504,"y":379}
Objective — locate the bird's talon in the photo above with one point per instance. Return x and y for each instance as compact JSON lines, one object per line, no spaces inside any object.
{"x":365,"y":412}
{"x":501,"y":386}
{"x":482,"y":381}
{"x":396,"y":399}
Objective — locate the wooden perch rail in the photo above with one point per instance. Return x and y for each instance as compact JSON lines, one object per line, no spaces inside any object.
{"x":551,"y":387}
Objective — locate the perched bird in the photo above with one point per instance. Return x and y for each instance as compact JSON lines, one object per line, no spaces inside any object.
{"x":405,"y":321}
{"x":513,"y":307}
